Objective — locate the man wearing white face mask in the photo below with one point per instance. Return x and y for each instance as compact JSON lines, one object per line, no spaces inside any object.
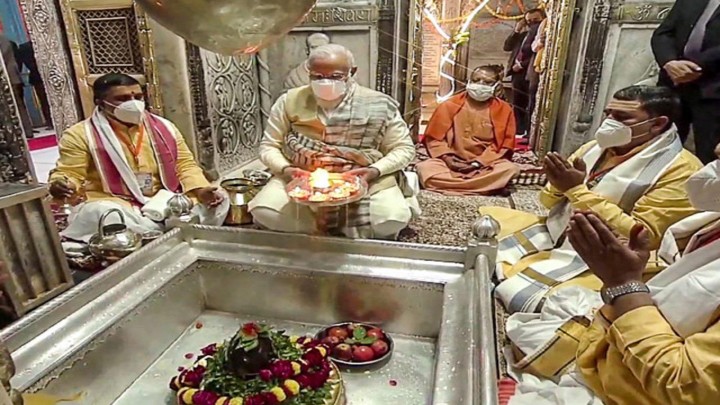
{"x":633,"y":173}
{"x":470,"y":139}
{"x":340,"y":126}
{"x":656,"y":343}
{"x":125,"y":157}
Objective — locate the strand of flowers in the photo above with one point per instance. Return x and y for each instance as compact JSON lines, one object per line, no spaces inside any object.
{"x":187,"y":384}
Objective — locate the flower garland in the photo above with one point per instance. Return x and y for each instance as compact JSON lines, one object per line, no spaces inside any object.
{"x":284,"y":379}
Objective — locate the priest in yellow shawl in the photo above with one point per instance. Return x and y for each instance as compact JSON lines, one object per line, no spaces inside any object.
{"x":634,"y":172}
{"x":655,"y":343}
{"x":340,"y":126}
{"x":124,"y":157}
{"x":470,"y":139}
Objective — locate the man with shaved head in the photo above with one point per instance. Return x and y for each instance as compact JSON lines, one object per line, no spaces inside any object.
{"x":336,"y":124}
{"x":633,"y":173}
{"x":298,"y":77}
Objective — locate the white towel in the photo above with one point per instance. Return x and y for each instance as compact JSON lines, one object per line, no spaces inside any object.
{"x":156,"y":208}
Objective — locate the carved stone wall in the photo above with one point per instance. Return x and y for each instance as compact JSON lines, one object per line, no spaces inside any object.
{"x":14,"y":158}
{"x":47,"y":33}
{"x":610,"y":50}
{"x":229,"y":125}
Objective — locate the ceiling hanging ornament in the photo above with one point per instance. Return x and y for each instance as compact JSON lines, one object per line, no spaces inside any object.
{"x":229,"y":27}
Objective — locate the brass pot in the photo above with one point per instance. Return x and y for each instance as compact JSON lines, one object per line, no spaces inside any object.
{"x":114,"y":242}
{"x":240,"y":191}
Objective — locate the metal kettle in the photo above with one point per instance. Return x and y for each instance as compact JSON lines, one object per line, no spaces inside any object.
{"x":115,"y":241}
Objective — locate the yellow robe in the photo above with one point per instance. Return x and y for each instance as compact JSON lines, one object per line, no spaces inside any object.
{"x":644,"y":362}
{"x":76,"y":163}
{"x":663,"y":205}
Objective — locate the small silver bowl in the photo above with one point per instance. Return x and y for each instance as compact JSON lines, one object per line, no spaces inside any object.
{"x":356,"y":365}
{"x":150,"y":236}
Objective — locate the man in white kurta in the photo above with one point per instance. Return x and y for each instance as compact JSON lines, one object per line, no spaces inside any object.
{"x":336,"y":124}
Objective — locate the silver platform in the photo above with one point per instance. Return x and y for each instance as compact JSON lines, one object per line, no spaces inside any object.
{"x":120,"y":336}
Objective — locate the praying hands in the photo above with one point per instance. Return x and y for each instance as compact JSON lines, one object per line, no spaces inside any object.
{"x":563,"y":175}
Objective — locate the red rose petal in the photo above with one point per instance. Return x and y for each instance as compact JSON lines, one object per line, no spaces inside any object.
{"x":181,"y":369}
{"x":199,"y":325}
{"x":393,"y":383}
{"x":189,"y":356}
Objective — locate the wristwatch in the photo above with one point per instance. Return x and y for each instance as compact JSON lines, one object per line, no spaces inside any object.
{"x":609,"y":294}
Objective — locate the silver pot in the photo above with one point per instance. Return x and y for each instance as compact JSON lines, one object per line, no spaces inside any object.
{"x":115,"y":241}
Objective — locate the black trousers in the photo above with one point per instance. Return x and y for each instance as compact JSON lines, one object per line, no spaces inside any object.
{"x":704,"y":117}
{"x":520,"y":101}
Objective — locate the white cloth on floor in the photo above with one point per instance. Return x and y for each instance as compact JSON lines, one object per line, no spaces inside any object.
{"x":83,"y":223}
{"x":156,"y":208}
{"x":569,"y":390}
{"x":531,"y":331}
{"x":390,"y":211}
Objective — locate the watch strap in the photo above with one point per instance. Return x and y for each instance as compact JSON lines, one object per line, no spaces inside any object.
{"x":610,"y":294}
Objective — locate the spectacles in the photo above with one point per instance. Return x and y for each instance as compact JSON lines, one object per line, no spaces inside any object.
{"x":334,"y":76}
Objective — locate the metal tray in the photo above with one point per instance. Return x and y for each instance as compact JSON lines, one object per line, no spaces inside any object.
{"x":120,"y":336}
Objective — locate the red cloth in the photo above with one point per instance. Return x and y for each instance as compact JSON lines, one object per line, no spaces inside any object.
{"x":506,"y":390}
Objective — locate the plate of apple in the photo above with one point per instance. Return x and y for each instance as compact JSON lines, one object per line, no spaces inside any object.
{"x":357,"y":345}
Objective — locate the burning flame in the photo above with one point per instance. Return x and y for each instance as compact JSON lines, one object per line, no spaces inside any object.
{"x":320,"y":178}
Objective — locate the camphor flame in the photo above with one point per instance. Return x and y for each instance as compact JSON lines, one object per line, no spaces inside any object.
{"x":320,"y":178}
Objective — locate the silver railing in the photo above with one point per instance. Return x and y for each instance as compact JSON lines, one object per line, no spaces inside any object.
{"x":481,"y":253}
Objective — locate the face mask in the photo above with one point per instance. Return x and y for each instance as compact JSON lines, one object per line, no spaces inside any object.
{"x":328,"y":89}
{"x":703,"y":188}
{"x":130,"y":112}
{"x":613,"y":133}
{"x":480,"y":92}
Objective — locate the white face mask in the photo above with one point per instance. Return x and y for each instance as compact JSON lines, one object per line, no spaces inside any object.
{"x":613,"y":133}
{"x":129,"y":112}
{"x":481,"y":92}
{"x":703,"y":188}
{"x":328,"y":89}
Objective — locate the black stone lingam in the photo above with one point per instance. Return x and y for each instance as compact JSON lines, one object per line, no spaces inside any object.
{"x":248,"y":352}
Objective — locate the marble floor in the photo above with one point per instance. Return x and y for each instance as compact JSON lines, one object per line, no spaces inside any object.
{"x":44,"y":160}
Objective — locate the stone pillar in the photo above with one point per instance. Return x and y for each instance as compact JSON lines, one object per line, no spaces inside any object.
{"x":15,"y":165}
{"x":172,"y":71}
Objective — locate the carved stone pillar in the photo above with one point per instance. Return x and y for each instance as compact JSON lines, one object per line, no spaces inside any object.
{"x":174,"y":81}
{"x":47,"y":33}
{"x":610,"y":50}
{"x":14,"y":158}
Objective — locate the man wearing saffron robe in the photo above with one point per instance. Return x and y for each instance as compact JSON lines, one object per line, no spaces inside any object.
{"x":340,"y":126}
{"x":633,"y":173}
{"x":470,"y":139}
{"x":656,"y":343}
{"x":125,"y":157}
{"x":298,"y":77}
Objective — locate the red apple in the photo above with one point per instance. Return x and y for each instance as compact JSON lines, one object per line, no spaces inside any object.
{"x":351,"y":327}
{"x":379,"y":347}
{"x":338,"y":332}
{"x":363,"y":354}
{"x":376,"y":333}
{"x":343,"y":351}
{"x":331,"y":341}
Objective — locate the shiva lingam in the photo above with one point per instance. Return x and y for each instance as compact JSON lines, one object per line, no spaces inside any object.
{"x":249,"y":351}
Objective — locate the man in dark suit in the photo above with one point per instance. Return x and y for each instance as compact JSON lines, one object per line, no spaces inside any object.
{"x":519,"y":44}
{"x":687,"y":47}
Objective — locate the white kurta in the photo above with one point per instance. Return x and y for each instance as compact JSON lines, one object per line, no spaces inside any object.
{"x":390,"y":211}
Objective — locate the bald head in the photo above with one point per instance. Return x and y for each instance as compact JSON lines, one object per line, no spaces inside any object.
{"x":315,"y":40}
{"x":332,"y":54}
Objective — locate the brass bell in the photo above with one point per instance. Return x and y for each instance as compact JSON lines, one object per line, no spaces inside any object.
{"x":229,"y":27}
